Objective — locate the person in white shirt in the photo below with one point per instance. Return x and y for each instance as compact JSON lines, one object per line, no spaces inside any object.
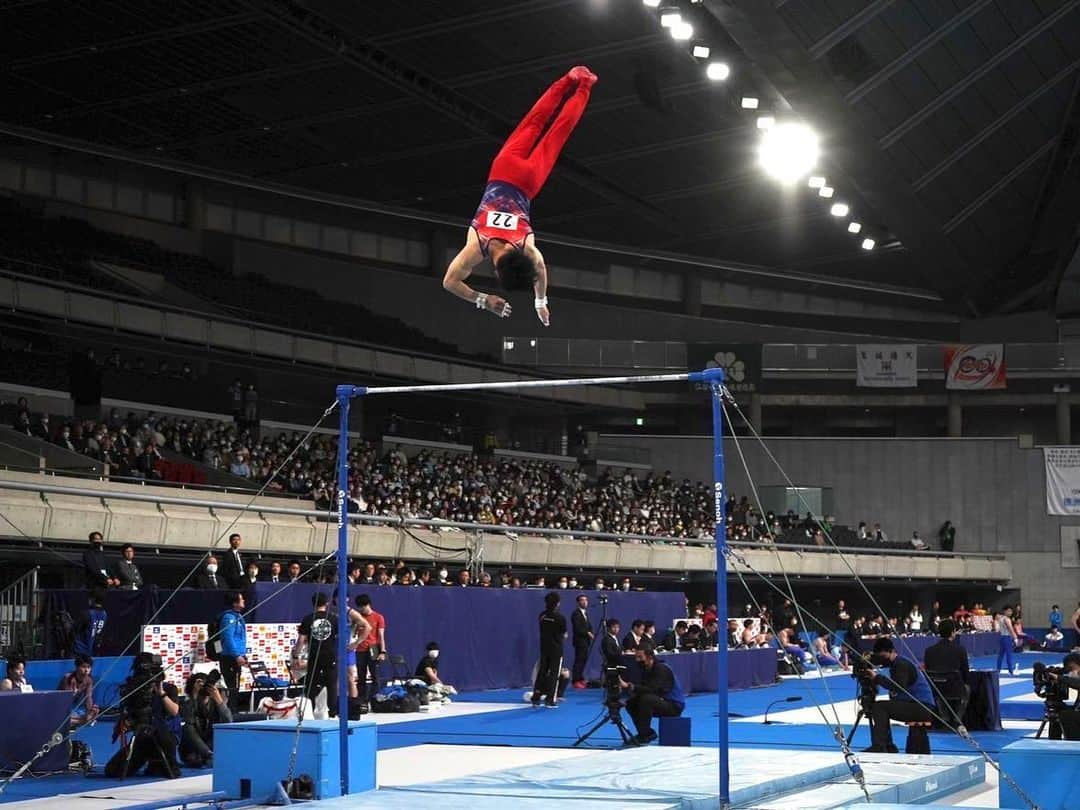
{"x":915,"y":619}
{"x":16,"y":677}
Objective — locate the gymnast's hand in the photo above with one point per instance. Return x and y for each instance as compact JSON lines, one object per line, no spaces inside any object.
{"x":544,"y":316}
{"x":497,"y":306}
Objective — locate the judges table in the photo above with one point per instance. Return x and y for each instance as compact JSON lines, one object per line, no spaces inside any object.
{"x":29,"y":720}
{"x":915,"y":646}
{"x":697,"y":671}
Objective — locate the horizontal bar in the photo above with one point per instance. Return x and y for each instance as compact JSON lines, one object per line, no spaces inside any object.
{"x":708,"y":375}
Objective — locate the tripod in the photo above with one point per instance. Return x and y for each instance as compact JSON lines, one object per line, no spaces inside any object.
{"x":614,"y":716}
{"x":866,"y":703}
{"x":1051,"y":718}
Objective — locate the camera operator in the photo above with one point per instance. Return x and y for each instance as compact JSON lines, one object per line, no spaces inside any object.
{"x":1054,"y":685}
{"x":658,"y":695}
{"x":204,"y":707}
{"x":150,"y":710}
{"x":910,"y":696}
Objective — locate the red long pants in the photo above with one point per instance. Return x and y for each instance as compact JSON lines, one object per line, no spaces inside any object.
{"x":529,"y":154}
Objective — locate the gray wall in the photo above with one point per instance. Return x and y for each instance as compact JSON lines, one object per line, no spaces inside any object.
{"x":992,"y":491}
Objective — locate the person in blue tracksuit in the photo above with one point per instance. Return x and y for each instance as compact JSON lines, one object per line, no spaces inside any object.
{"x":233,"y":637}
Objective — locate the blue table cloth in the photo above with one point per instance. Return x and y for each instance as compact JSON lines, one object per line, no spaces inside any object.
{"x":697,"y":671}
{"x":29,"y":720}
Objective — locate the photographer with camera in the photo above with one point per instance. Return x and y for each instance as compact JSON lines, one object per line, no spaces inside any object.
{"x":658,"y":695}
{"x":1052,"y":684}
{"x":910,"y":696}
{"x":203,"y":708}
{"x":149,"y":724}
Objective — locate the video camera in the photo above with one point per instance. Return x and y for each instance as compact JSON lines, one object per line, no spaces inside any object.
{"x":612,"y":687}
{"x":862,"y":667}
{"x":1049,"y":684}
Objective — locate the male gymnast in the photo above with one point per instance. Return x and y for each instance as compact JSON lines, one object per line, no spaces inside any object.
{"x":500,"y":229}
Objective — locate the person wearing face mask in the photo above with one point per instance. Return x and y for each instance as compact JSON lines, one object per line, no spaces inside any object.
{"x":625,"y":584}
{"x":443,"y":574}
{"x":572,"y":583}
{"x":428,"y":671}
{"x":208,"y":578}
{"x":95,"y":566}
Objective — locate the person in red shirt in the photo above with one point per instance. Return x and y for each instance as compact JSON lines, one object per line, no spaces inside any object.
{"x":371,"y":650}
{"x":501,"y":229}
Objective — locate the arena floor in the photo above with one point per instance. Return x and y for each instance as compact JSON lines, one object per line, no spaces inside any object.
{"x":488,"y":732}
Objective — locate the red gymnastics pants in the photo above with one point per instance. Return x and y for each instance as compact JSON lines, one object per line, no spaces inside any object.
{"x":529,"y":154}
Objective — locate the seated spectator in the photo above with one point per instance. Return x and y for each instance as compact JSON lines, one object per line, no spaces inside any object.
{"x":693,"y":639}
{"x":822,"y":652}
{"x":632,"y":640}
{"x":15,"y":678}
{"x":80,"y":683}
{"x":427,"y":670}
{"x":674,"y":637}
{"x":1055,"y":640}
{"x":917,"y":542}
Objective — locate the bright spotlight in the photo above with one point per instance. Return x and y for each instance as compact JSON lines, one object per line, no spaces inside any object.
{"x":868,"y":243}
{"x":854,"y":227}
{"x":788,"y":151}
{"x":652,"y":3}
{"x":825,"y":191}
{"x":682,"y":31}
{"x":749,"y":103}
{"x":839,"y":210}
{"x":717,"y":71}
{"x":815,"y":181}
{"x":766,"y":122}
{"x":669,"y":19}
{"x":701,"y":52}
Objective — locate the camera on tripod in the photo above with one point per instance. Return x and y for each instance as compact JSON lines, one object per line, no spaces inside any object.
{"x":612,"y":685}
{"x":1050,"y":689}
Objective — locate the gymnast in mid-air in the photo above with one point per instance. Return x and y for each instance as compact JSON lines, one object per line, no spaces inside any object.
{"x":500,"y":229}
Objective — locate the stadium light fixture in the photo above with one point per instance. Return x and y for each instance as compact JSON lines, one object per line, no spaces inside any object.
{"x":815,"y":181}
{"x":766,"y":122}
{"x":718,"y":71}
{"x":749,"y":102}
{"x":839,"y":209}
{"x":854,"y":227}
{"x":868,"y":243}
{"x":701,"y":51}
{"x":652,"y":3}
{"x":669,"y":19}
{"x":788,"y":152}
{"x":682,"y":31}
{"x":826,"y":191}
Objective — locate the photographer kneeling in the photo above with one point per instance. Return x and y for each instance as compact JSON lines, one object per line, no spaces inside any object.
{"x":150,"y":714}
{"x":910,"y":698}
{"x":204,"y":707}
{"x":658,"y":695}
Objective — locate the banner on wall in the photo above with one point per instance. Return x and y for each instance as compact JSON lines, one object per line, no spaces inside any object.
{"x":882,"y":365}
{"x":975,"y":367}
{"x":1062,"y":480}
{"x":741,"y":363}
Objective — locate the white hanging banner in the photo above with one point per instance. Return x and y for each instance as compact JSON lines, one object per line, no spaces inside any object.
{"x":1062,"y":480}
{"x":885,"y":365}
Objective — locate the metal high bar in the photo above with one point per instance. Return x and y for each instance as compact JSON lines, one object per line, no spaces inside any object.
{"x":706,"y":376}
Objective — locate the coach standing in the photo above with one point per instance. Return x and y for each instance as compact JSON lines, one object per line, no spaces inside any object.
{"x":583,"y":637}
{"x":552,"y":636}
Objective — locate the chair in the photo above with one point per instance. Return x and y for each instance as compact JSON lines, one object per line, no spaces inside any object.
{"x":951,"y":695}
{"x":263,"y":684}
{"x":399,"y":668}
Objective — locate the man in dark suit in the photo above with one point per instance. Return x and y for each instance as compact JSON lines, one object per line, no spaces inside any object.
{"x":632,"y":639}
{"x":95,"y":568}
{"x":610,"y":648}
{"x":209,"y":578}
{"x":231,"y":570}
{"x":947,"y":655}
{"x":583,"y":637}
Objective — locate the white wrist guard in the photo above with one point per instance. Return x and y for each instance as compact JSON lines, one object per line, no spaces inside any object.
{"x":540,"y":302}
{"x":481,"y":300}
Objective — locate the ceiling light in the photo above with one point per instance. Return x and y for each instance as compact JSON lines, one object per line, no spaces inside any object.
{"x":765,"y":122}
{"x":854,"y":227}
{"x":749,"y":103}
{"x":682,"y":31}
{"x":701,"y":51}
{"x":826,"y":192}
{"x":717,"y":71}
{"x":669,"y":19}
{"x":789,"y":151}
{"x":652,"y":3}
{"x":815,"y":181}
{"x":839,"y":210}
{"x":868,"y":243}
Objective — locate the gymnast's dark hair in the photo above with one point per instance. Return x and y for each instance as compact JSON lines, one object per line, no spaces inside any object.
{"x":515,"y":270}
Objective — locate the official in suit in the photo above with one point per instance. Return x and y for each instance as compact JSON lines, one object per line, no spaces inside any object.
{"x":947,"y":655}
{"x":610,"y":648}
{"x":208,"y":579}
{"x":231,"y":568}
{"x":95,"y":567}
{"x":582,"y":638}
{"x":632,"y":640}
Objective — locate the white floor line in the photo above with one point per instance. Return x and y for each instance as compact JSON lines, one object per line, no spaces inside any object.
{"x":442,"y":710}
{"x":120,"y":795}
{"x":430,"y":763}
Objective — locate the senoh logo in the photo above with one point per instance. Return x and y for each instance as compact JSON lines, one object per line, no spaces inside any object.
{"x":342,"y":506}
{"x":718,"y":501}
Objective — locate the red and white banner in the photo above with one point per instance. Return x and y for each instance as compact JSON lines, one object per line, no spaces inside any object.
{"x":183,"y":645}
{"x":975,"y":367}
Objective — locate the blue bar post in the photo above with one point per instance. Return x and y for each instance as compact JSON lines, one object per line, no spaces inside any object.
{"x":720,"y":535}
{"x":344,"y":399}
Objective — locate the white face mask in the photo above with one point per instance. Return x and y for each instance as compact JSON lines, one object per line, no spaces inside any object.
{"x":442,"y":573}
{"x":433,"y":653}
{"x":211,"y":568}
{"x":573,"y":583}
{"x":562,"y":583}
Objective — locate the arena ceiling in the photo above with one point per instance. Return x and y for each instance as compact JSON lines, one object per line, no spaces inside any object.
{"x":949,"y":127}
